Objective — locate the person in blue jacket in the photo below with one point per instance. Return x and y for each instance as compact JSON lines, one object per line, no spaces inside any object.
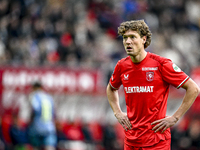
{"x":42,"y":131}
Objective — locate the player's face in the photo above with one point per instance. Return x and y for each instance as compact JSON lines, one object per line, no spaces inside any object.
{"x":133,"y":43}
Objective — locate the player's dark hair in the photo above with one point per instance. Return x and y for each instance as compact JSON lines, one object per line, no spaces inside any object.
{"x":136,"y":25}
{"x":36,"y":85}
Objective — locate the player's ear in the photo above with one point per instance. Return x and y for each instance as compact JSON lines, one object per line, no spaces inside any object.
{"x":144,"y":39}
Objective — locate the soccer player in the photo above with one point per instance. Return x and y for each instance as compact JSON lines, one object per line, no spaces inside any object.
{"x":146,"y":78}
{"x":42,"y":133}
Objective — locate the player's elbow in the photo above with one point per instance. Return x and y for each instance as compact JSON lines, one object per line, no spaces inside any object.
{"x":196,"y":90}
{"x":192,"y":87}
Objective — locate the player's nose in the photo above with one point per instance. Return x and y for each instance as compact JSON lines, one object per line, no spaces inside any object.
{"x":128,"y":41}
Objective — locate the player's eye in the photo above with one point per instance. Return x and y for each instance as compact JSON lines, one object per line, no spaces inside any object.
{"x":125,"y":37}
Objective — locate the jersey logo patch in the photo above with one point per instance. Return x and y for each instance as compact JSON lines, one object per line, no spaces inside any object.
{"x":149,"y":76}
{"x":126,"y":77}
{"x":149,"y":68}
{"x":176,"y":68}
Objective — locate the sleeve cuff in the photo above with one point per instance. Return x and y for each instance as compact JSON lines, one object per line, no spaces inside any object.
{"x":180,"y":85}
{"x":113,"y":86}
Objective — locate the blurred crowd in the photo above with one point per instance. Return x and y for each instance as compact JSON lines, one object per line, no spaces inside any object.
{"x":186,"y":135}
{"x":79,"y":134}
{"x":83,"y":33}
{"x":71,"y":135}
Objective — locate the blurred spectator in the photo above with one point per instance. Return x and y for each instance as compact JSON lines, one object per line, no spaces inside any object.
{"x":2,"y":145}
{"x":193,"y":134}
{"x":73,"y":130}
{"x":186,"y":138}
{"x":2,"y":52}
{"x":42,"y":132}
{"x":87,"y":133}
{"x":110,"y":138}
{"x":5,"y":127}
{"x":177,"y":132}
{"x":61,"y":137}
{"x":18,"y":133}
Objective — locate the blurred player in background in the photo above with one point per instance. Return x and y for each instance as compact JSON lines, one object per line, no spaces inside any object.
{"x":146,"y":78}
{"x":42,"y":133}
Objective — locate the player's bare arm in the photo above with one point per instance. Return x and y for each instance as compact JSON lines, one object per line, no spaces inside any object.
{"x":113,"y":99}
{"x":192,"y":91}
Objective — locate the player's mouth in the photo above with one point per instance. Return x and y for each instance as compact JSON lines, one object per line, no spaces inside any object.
{"x":128,"y":48}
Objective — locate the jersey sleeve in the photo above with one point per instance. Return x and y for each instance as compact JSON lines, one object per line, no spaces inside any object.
{"x":115,"y":80}
{"x":35,"y":104}
{"x":173,"y":75}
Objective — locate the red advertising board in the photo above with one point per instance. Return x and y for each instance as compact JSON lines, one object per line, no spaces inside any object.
{"x":16,"y":81}
{"x":53,"y":79}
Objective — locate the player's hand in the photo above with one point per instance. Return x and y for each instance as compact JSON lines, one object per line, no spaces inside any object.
{"x":124,"y":121}
{"x":164,"y":123}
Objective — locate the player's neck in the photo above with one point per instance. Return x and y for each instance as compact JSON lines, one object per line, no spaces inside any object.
{"x":139,"y":58}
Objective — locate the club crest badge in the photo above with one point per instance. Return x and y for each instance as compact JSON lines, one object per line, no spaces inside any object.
{"x":149,"y":76}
